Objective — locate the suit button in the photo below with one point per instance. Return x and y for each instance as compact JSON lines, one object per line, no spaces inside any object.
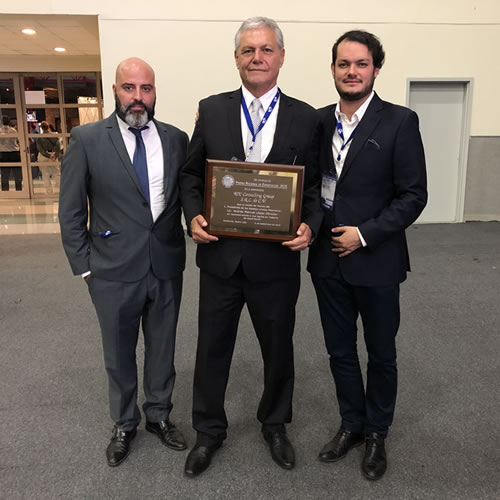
{"x":145,"y":204}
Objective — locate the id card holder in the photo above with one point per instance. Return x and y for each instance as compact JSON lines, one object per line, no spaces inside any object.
{"x":328,"y":185}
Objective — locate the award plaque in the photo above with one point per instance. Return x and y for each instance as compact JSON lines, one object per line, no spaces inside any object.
{"x":253,"y":200}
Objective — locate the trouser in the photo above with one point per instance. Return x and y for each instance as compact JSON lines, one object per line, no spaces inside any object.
{"x":120,"y":308}
{"x":50,"y":173}
{"x":5,"y":172}
{"x":340,"y":304}
{"x":271,"y":306}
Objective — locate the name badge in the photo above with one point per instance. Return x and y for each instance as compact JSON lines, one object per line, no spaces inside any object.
{"x":328,"y":185}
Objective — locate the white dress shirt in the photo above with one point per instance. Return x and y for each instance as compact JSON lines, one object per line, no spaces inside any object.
{"x":348,"y":127}
{"x":269,"y":128}
{"x":154,"y":157}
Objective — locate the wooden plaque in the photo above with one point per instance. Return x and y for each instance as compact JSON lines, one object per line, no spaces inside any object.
{"x":253,"y":200}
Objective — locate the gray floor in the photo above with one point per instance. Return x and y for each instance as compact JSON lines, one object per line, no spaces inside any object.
{"x":444,"y":442}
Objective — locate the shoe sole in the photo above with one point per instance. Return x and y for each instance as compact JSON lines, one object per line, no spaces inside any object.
{"x":366,"y":476}
{"x":284,"y":466}
{"x":160,"y":437}
{"x":332,"y":460}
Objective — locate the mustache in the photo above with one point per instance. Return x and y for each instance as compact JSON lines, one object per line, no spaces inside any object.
{"x":135,"y":103}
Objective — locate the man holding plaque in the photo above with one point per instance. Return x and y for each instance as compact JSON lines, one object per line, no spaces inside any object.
{"x":255,"y":123}
{"x":373,"y":187}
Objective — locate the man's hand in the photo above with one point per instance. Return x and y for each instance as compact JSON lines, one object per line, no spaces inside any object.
{"x":302,"y":240}
{"x":198,"y":233}
{"x":347,"y":242}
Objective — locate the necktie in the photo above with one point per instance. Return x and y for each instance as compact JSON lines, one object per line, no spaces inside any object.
{"x":140,"y":161}
{"x":255,"y":154}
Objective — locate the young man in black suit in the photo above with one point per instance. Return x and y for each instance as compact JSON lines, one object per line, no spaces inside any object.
{"x":373,"y":187}
{"x":234,"y":272}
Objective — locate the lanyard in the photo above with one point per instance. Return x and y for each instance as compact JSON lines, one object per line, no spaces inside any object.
{"x":264,"y":118}
{"x":340,"y":131}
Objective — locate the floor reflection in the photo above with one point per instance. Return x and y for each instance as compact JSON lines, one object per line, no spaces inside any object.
{"x":29,"y":216}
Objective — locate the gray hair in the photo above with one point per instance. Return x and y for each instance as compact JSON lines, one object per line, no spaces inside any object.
{"x":259,"y":22}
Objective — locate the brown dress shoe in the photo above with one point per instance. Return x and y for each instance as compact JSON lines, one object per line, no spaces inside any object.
{"x":169,"y":435}
{"x":119,"y":446}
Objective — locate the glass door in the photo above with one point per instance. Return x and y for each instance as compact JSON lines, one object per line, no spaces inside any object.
{"x":13,"y":166}
{"x":39,"y":111}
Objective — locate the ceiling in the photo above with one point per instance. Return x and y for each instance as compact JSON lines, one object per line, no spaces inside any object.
{"x":79,"y":35}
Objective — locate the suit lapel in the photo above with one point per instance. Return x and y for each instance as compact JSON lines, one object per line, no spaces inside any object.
{"x":330,"y":125}
{"x":167,"y":159}
{"x":283,"y":123}
{"x":365,"y":128}
{"x":234,"y":123}
{"x":116,"y":138}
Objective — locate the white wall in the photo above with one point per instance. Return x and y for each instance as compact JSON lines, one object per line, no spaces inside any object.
{"x":190,"y":45}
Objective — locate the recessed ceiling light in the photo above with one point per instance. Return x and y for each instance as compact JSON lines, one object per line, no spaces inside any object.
{"x":28,"y":31}
{"x":59,"y":49}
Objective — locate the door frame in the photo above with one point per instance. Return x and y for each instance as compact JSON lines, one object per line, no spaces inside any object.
{"x":465,"y":134}
{"x":25,"y":192}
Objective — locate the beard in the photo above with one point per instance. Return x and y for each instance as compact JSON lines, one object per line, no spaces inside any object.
{"x":355,"y":96}
{"x":135,"y":119}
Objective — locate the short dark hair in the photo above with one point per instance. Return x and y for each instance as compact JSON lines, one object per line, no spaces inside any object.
{"x":5,"y":120}
{"x":368,"y":39}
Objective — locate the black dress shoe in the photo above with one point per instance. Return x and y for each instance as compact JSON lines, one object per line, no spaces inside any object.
{"x":338,"y":447}
{"x":375,"y":461}
{"x":119,"y":446}
{"x":281,"y":448}
{"x":199,"y":459}
{"x":169,"y":435}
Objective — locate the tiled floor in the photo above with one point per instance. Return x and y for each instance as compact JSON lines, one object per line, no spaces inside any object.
{"x":29,"y":216}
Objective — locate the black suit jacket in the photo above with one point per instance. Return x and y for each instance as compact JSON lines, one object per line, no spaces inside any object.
{"x":97,"y":168}
{"x":218,"y":136}
{"x":382,"y":190}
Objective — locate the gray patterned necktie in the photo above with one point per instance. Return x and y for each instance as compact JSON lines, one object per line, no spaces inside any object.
{"x":255,"y":154}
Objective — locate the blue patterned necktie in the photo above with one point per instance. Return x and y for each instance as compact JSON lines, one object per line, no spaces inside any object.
{"x":140,"y":161}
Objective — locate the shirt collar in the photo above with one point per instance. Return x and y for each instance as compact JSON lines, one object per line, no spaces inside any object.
{"x":358,"y":115}
{"x":265,"y":100}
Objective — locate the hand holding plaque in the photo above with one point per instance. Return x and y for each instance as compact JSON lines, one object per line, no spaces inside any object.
{"x":253,"y":200}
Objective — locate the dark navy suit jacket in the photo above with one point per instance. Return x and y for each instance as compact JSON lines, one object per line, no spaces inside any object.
{"x":382,"y":190}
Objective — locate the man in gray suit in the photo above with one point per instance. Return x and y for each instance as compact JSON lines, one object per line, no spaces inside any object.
{"x":124,"y":170}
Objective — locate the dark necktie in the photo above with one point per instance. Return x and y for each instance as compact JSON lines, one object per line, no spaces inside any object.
{"x":140,"y":161}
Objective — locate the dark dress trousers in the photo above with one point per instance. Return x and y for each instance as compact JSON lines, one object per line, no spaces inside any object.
{"x":136,"y":264}
{"x":264,"y":275}
{"x":381,"y":190}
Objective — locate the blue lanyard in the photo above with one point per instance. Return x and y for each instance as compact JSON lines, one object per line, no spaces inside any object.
{"x":264,"y":119}
{"x":340,"y":131}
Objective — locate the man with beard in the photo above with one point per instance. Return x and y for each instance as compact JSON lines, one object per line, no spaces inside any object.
{"x":373,"y":188}
{"x":124,"y":169}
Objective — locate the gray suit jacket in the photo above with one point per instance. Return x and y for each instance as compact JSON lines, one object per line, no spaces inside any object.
{"x":122,"y":242}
